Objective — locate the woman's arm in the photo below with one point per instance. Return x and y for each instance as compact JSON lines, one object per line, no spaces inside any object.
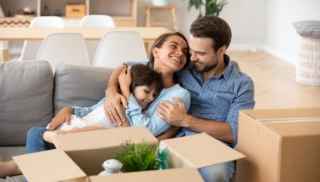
{"x":115,"y":102}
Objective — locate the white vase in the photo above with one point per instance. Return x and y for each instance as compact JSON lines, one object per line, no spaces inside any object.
{"x":308,"y":63}
{"x":160,"y":2}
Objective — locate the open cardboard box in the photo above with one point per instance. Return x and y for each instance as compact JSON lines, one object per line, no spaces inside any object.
{"x":281,"y":145}
{"x":80,"y":155}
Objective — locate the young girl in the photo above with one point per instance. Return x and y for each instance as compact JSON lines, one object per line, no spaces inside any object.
{"x":139,"y":84}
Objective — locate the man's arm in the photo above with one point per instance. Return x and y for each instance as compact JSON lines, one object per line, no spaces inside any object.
{"x":175,"y":114}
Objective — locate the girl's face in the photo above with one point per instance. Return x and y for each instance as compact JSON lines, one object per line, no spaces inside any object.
{"x":171,"y":56}
{"x":145,"y":95}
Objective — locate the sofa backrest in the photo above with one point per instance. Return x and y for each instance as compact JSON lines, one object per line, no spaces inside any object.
{"x":30,"y":94}
{"x":79,"y":85}
{"x":26,"y":99}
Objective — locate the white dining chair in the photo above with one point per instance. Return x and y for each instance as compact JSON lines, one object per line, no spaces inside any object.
{"x":30,"y":48}
{"x":119,"y":47}
{"x":95,"y":21}
{"x":1,"y":12}
{"x":64,"y":48}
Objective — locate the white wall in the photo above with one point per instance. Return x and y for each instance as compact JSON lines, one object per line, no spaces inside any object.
{"x":259,"y":24}
{"x":281,"y":38}
{"x":246,"y":18}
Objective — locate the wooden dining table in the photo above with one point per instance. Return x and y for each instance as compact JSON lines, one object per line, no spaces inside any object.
{"x":149,"y":34}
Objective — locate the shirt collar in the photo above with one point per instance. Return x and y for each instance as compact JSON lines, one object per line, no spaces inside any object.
{"x":228,"y":69}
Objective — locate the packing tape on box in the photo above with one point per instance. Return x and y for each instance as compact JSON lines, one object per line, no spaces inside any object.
{"x":290,"y":120}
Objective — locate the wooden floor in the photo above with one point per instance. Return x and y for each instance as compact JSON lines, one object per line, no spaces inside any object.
{"x":275,"y":85}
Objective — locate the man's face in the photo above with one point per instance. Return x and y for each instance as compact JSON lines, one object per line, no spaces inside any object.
{"x":203,"y":56}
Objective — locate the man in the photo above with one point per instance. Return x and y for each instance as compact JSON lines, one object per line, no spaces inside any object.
{"x":218,"y":89}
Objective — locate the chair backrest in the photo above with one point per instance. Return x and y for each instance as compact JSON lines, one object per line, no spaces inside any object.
{"x":118,"y":47}
{"x":47,"y":22}
{"x":1,"y":11}
{"x":64,"y":48}
{"x":30,"y":48}
{"x":97,"y":21}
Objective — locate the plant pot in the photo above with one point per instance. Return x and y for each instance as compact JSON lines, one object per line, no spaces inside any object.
{"x":160,"y":2}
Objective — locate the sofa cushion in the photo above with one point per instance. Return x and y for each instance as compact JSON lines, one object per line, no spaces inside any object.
{"x":25,"y":99}
{"x":79,"y":85}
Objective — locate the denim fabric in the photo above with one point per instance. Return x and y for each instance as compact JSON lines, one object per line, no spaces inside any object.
{"x":35,"y":142}
{"x":218,"y":172}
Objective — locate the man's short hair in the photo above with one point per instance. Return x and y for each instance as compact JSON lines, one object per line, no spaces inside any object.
{"x":212,"y":27}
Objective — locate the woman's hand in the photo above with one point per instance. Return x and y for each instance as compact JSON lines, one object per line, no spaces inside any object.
{"x":114,"y":108}
{"x":64,"y":115}
{"x":125,"y":81}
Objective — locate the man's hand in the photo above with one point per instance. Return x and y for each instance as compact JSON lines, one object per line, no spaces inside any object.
{"x":64,"y":115}
{"x":173,"y":113}
{"x":114,"y":108}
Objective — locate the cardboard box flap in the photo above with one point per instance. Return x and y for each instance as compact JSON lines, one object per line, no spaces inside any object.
{"x":53,"y":165}
{"x":201,"y":150}
{"x":104,"y":138}
{"x":284,"y":114}
{"x":287,"y":122}
{"x":185,"y":174}
{"x":295,"y":128}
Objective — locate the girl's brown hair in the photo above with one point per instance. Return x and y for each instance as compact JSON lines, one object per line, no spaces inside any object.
{"x":144,"y":75}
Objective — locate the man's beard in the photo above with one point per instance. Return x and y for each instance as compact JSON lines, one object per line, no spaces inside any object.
{"x":204,"y":69}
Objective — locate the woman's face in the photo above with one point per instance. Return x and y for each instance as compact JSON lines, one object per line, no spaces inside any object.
{"x":171,"y":56}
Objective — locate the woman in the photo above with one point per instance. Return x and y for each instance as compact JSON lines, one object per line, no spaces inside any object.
{"x":169,"y":54}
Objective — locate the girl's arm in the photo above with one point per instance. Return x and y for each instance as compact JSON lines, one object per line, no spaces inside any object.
{"x":170,"y":133}
{"x":50,"y":136}
{"x":77,"y":130}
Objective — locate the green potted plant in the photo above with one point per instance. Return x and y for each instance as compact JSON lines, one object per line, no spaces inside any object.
{"x":141,"y":157}
{"x":207,"y":7}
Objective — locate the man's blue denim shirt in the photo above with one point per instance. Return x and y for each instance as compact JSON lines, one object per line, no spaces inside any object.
{"x":219,"y":98}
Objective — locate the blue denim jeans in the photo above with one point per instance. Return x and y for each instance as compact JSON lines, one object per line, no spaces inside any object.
{"x":218,"y":172}
{"x":35,"y":142}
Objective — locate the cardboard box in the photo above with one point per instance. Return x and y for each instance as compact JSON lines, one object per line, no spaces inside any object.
{"x":280,"y":145}
{"x":75,"y":10}
{"x":80,"y":156}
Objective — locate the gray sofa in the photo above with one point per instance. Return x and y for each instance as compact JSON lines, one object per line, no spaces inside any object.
{"x":30,"y":95}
